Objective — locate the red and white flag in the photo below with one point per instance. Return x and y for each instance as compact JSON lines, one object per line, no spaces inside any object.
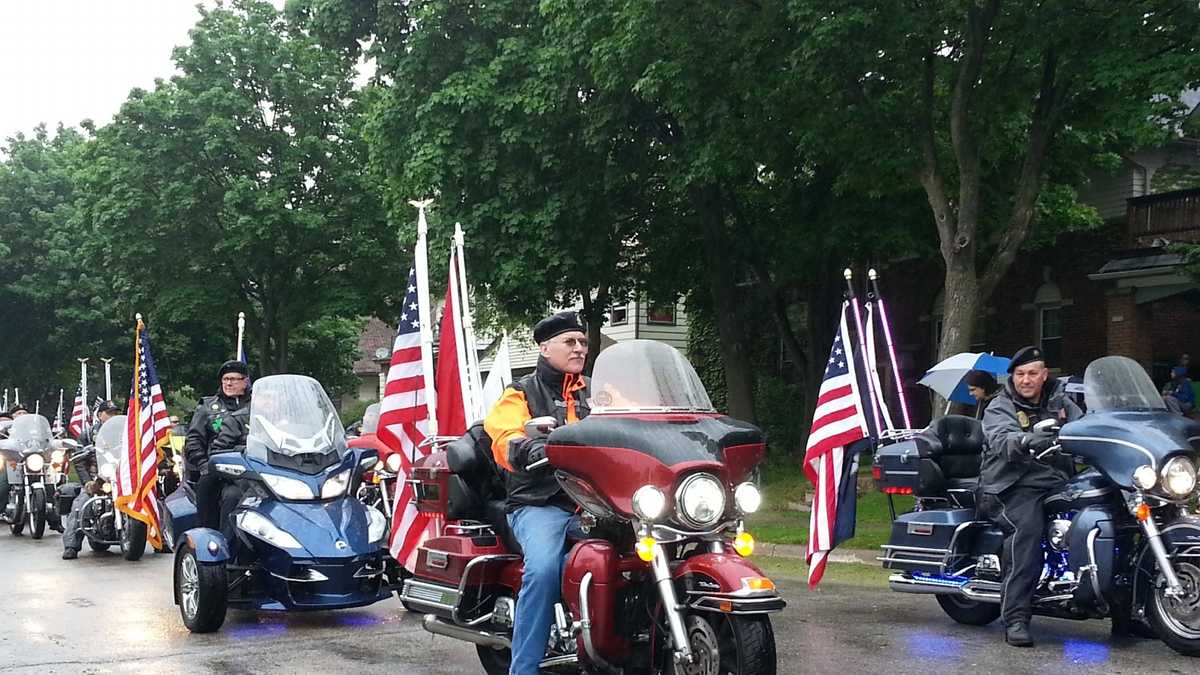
{"x":831,"y":459}
{"x":78,"y":415}
{"x":451,"y":404}
{"x":403,"y":425}
{"x":149,"y":428}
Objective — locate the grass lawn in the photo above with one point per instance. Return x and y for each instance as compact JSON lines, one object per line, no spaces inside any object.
{"x":797,"y":572}
{"x":779,"y":522}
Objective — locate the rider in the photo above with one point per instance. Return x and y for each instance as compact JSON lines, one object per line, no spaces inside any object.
{"x":85,"y":469}
{"x":12,"y":414}
{"x":1015,"y":484}
{"x":212,"y":414}
{"x":539,"y":512}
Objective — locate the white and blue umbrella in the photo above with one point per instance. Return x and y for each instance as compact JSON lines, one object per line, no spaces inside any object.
{"x":946,"y":378}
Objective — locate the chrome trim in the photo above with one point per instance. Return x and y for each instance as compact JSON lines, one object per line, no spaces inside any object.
{"x":1154,"y":537}
{"x":1117,"y":441}
{"x":436,"y":626}
{"x":671,"y":606}
{"x":314,"y":575}
{"x":1092,"y":567}
{"x":1070,"y":497}
{"x":556,"y":661}
{"x":422,"y":594}
{"x":466,"y":575}
{"x":585,"y":623}
{"x":683,"y":485}
{"x":891,"y":472}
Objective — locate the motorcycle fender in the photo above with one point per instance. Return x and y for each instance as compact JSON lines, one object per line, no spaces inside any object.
{"x":37,"y":486}
{"x":1181,"y":537}
{"x":209,"y":545}
{"x":721,"y":582}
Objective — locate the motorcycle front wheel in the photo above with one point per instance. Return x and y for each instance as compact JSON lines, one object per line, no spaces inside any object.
{"x":17,"y":526}
{"x":37,"y":514}
{"x":1176,"y":620}
{"x":723,"y":643}
{"x":133,"y":539}
{"x":202,"y":591}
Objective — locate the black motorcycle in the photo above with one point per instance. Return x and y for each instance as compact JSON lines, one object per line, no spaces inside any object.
{"x":1122,"y":538}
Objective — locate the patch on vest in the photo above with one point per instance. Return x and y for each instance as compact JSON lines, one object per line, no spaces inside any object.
{"x":1022,"y":419}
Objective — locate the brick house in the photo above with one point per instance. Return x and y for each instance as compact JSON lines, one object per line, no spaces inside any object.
{"x":1117,"y":290}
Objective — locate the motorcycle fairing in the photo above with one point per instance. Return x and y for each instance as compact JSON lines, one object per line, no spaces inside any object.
{"x":1118,"y":442}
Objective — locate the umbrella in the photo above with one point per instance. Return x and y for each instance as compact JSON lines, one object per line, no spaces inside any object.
{"x":946,"y":378}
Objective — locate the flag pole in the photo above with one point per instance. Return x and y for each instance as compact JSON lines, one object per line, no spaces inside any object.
{"x":887,"y":337}
{"x":241,"y":330}
{"x":862,"y":346}
{"x":83,"y":387}
{"x":37,"y":407}
{"x":107,"y":378}
{"x":58,"y":416}
{"x":17,"y":395}
{"x":464,"y":375}
{"x":422,"y":265}
{"x":475,"y":380}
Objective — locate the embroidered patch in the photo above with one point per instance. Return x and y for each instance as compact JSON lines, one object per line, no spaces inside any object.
{"x":1022,"y":419}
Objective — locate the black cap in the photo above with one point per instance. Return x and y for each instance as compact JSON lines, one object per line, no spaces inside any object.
{"x":1026,"y":355}
{"x":107,"y":406}
{"x":17,"y":407}
{"x":551,"y":326}
{"x":233,"y":367}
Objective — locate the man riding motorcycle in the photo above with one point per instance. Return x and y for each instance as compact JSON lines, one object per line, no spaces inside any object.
{"x":72,"y":536}
{"x":539,"y":512}
{"x":11,"y":414}
{"x":212,"y":414}
{"x":1015,"y":484}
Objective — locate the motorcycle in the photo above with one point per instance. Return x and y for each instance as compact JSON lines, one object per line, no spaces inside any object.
{"x":298,"y":538}
{"x":27,"y":452}
{"x":1122,"y":539}
{"x":661,"y":583}
{"x":102,"y":524}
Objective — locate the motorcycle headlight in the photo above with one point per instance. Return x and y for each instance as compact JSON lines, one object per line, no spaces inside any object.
{"x":649,"y":502}
{"x":256,"y":524}
{"x":1144,"y":477}
{"x":108,"y":471}
{"x":35,"y":463}
{"x":288,"y":488}
{"x":335,"y":485}
{"x":1179,"y":476}
{"x":747,"y":497}
{"x":393,"y":463}
{"x":377,"y":525}
{"x":56,"y":457}
{"x":701,"y":499}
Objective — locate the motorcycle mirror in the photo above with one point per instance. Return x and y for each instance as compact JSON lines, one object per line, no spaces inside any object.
{"x":540,"y":427}
{"x":1046,"y":426}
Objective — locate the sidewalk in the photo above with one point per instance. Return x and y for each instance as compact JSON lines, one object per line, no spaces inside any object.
{"x":797,"y":551}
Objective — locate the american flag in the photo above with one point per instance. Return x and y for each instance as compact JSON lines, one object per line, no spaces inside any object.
{"x":149,"y":429}
{"x":831,"y":458}
{"x":78,"y":415}
{"x":403,"y":425}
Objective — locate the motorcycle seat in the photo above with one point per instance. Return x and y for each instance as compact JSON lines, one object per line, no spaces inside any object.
{"x":950,"y":453}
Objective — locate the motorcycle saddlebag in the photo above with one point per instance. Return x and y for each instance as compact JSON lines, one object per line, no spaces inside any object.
{"x":929,"y":541}
{"x":897,"y":468}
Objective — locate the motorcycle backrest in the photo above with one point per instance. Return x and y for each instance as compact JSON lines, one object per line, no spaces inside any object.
{"x":955,"y":443}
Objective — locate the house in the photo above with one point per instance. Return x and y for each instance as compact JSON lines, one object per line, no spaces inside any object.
{"x":1119,"y":290}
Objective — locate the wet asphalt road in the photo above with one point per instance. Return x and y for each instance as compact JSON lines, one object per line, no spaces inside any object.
{"x":101,"y":614}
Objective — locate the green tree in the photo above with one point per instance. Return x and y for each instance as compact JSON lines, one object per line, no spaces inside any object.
{"x":994,"y":108}
{"x":240,"y":184}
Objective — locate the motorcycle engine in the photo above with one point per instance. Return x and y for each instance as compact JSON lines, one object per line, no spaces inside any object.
{"x":1056,"y":534}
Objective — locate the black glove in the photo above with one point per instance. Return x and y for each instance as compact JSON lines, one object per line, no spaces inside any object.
{"x":1039,"y":441}
{"x":525,"y":451}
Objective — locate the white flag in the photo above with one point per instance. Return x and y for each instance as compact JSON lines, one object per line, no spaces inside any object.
{"x":499,"y":377}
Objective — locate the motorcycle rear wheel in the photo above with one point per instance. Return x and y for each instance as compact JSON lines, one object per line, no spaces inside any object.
{"x":723,"y":643}
{"x":133,"y":539}
{"x":494,"y":661}
{"x":1177,"y":620}
{"x":17,"y":526}
{"x":969,"y":612}
{"x":37,"y":514}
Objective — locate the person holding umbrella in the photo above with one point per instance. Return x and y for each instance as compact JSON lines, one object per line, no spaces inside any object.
{"x":982,"y":387}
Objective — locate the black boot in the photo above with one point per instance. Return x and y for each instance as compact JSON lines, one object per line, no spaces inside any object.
{"x":70,"y":553}
{"x":1017,"y":634}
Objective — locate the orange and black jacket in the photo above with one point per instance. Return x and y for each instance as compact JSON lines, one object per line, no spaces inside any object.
{"x":544,"y":392}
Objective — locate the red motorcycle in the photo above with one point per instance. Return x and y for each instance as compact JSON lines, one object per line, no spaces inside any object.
{"x":662,"y":583}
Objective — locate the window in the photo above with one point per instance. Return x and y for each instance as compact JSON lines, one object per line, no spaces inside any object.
{"x":619,"y":316}
{"x":661,"y":313}
{"x":1050,"y":325}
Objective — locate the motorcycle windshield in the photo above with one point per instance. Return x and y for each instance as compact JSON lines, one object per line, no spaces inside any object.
{"x":29,"y":434}
{"x":110,"y":445}
{"x":646,"y":376}
{"x":1118,"y":383}
{"x":293,"y":422}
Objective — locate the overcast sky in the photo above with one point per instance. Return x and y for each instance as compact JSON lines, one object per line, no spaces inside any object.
{"x":69,"y":60}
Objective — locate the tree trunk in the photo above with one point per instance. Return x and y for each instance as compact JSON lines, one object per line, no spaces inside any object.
{"x":264,"y":338}
{"x":593,"y":313}
{"x":281,"y":348}
{"x":722,"y":278}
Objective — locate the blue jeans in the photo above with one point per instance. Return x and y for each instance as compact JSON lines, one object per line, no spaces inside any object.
{"x":542,"y":532}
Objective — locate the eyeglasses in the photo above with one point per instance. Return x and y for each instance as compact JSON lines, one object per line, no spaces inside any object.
{"x":232,"y":380}
{"x":574,"y":342}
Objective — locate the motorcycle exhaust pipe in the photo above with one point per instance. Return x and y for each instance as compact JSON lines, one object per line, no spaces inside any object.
{"x":974,"y":589}
{"x":438,"y":627}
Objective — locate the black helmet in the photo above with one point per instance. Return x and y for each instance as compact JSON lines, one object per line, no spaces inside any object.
{"x":233,"y":367}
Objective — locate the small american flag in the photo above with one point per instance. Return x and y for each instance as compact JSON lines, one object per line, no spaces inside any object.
{"x":149,"y":428}
{"x":830,"y":461}
{"x":78,"y":415}
{"x":403,"y":425}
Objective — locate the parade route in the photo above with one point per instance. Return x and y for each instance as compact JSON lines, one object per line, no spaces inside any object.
{"x":102,"y":614}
